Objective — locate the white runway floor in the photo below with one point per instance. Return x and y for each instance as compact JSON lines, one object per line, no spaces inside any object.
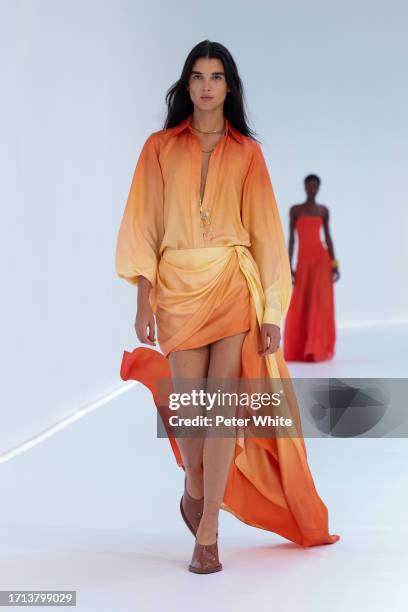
{"x":94,"y":508}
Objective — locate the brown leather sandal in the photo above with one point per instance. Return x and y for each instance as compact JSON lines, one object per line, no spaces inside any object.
{"x":205,"y":558}
{"x":191,"y":509}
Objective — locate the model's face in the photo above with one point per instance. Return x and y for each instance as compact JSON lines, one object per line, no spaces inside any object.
{"x":311,"y":188}
{"x":207,"y":84}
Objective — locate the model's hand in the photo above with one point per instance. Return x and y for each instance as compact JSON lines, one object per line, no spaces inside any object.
{"x":145,"y":325}
{"x":270,"y":339}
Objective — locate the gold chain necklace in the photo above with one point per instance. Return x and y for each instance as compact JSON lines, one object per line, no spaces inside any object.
{"x":206,"y":222}
{"x":214,"y":132}
{"x":205,"y":215}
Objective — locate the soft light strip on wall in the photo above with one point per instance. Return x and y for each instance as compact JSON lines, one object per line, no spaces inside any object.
{"x":78,"y":414}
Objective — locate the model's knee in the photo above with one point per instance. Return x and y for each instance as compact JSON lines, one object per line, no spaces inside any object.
{"x":193,"y":461}
{"x":194,"y":471}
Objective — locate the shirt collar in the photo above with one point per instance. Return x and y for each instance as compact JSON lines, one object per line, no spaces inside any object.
{"x":186,"y":123}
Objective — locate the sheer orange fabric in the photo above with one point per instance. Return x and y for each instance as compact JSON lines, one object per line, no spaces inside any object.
{"x":203,"y":290}
{"x":310,"y":332}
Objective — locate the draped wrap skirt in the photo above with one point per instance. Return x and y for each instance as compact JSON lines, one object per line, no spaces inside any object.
{"x":205,"y":294}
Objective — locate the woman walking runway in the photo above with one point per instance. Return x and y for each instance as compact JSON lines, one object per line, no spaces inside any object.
{"x":310,"y":332}
{"x":201,"y":237}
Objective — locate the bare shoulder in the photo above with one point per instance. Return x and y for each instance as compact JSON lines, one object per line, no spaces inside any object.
{"x":324,"y":210}
{"x":294,"y":209}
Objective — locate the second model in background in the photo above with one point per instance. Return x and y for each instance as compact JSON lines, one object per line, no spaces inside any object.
{"x":310,"y":331}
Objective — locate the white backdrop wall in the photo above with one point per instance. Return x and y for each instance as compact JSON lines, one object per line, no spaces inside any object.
{"x":84,"y":84}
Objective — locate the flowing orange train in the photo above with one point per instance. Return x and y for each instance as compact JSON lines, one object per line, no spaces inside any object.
{"x":269,"y":485}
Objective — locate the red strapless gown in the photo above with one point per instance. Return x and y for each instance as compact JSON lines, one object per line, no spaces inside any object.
{"x":310,"y":332}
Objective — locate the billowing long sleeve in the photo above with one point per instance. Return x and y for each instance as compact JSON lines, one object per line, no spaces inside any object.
{"x":142,"y":226}
{"x":260,"y":216}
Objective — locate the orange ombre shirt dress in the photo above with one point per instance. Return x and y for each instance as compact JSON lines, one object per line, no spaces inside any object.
{"x":161,"y":237}
{"x":162,"y":210}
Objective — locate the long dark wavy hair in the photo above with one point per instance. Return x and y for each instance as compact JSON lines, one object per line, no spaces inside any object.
{"x":179,"y":103}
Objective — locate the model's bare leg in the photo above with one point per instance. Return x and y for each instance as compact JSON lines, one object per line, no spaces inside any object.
{"x":191,"y":363}
{"x":225,"y":363}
